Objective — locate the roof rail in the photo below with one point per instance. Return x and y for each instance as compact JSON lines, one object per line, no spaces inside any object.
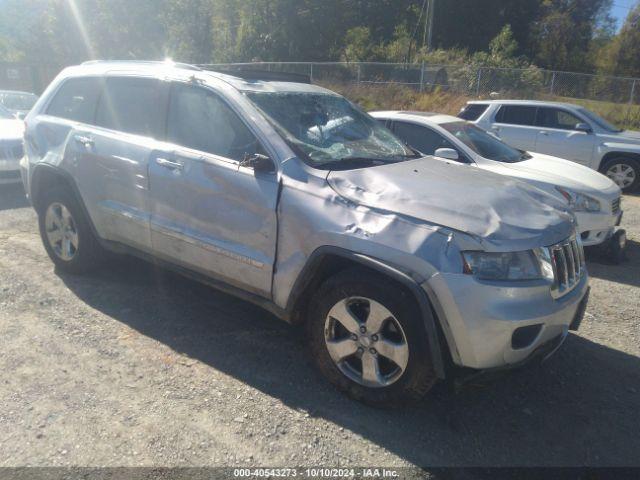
{"x":185,"y":66}
{"x":257,"y":75}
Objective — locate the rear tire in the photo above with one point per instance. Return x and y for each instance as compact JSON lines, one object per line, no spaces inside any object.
{"x":394,"y":347}
{"x":625,"y":172}
{"x":66,"y":233}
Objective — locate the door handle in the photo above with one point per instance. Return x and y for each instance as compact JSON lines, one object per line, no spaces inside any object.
{"x":546,"y":134}
{"x":85,"y":140}
{"x":175,"y":166}
{"x":497,"y":129}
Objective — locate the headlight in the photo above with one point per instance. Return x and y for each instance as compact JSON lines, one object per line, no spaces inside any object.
{"x":505,"y":266}
{"x":580,"y":202}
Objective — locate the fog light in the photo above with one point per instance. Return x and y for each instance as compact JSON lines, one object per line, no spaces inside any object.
{"x":524,"y":336}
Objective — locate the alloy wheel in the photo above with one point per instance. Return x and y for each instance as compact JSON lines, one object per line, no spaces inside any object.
{"x":366,"y":342}
{"x":622,"y":174}
{"x":61,"y":231}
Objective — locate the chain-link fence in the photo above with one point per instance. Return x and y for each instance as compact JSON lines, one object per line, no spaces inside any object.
{"x":472,"y":81}
{"x":468,"y":80}
{"x":26,"y":77}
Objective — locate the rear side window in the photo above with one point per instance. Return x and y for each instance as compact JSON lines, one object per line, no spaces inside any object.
{"x":516,"y":115}
{"x":201,"y":120}
{"x":423,"y":139}
{"x":472,"y":111}
{"x":132,"y":105}
{"x":76,"y":99}
{"x":556,"y":118}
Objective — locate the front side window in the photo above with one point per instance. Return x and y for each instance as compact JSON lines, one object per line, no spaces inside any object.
{"x":598,"y":120}
{"x":131,"y":105}
{"x":327,"y":131}
{"x":422,"y":139}
{"x":201,"y":120}
{"x":556,"y":118}
{"x":76,"y":99}
{"x":516,"y":115}
{"x":483,"y":144}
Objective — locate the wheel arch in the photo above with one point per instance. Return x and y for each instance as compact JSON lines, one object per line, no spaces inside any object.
{"x":609,"y":156}
{"x":46,"y":177}
{"x":327,"y":261}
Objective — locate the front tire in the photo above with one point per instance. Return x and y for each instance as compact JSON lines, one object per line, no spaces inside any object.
{"x":367,"y":337}
{"x":66,"y":233}
{"x":625,"y":172}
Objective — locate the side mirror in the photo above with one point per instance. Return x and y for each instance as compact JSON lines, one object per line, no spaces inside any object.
{"x":448,"y":153}
{"x":259,"y":163}
{"x":583,"y":127}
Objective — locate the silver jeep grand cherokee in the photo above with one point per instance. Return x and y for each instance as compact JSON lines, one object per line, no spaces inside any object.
{"x":286,"y":194}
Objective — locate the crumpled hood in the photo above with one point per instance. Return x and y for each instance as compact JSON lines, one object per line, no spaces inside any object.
{"x":502,"y":213}
{"x":558,"y":172}
{"x":11,"y":129}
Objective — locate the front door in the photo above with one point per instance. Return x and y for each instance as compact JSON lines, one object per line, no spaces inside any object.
{"x":208,"y":213}
{"x":557,"y":136}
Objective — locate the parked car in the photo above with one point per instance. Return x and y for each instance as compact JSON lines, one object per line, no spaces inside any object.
{"x":11,"y":131}
{"x":18,"y":103}
{"x":563,"y":130}
{"x":595,"y":199}
{"x":289,"y":196}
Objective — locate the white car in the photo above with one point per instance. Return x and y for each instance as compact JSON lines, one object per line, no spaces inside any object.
{"x":11,"y":131}
{"x":594,"y":198}
{"x":563,"y":130}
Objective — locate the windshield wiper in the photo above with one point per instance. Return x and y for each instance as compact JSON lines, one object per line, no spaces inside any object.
{"x":347,"y":163}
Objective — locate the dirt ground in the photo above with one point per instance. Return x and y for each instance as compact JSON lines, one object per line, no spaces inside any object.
{"x":137,"y":366}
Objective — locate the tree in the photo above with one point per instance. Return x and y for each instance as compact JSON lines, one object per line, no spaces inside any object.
{"x":562,"y":35}
{"x":626,"y":47}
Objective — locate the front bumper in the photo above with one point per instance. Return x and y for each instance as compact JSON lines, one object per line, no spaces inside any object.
{"x":479,"y":318}
{"x":597,"y":228}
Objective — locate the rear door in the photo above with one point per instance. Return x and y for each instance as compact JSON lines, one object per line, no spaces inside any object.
{"x":113,"y":171}
{"x":516,"y":125}
{"x":558,"y":136}
{"x":209,"y":213}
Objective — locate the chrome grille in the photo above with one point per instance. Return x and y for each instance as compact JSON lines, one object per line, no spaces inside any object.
{"x":568,"y":265}
{"x":615,"y":206}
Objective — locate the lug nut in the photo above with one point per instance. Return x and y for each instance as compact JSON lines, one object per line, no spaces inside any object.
{"x":354,"y":336}
{"x":363,"y":329}
{"x":360,"y":350}
{"x":372,"y":351}
{"x":374,"y":338}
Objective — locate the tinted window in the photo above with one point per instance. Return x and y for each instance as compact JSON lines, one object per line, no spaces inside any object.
{"x":516,"y":115}
{"x":132,"y":105}
{"x":422,"y":139}
{"x":555,"y":118}
{"x":484,"y":144}
{"x":199,"y":119}
{"x":76,"y":99}
{"x":472,"y":111}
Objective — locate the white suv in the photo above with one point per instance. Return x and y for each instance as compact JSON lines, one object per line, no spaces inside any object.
{"x":563,"y":130}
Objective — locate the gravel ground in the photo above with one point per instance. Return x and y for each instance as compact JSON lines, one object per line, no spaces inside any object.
{"x":137,"y":366}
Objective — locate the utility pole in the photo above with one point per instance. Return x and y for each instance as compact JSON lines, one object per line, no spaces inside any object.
{"x":426,"y":24}
{"x":429,"y":29}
